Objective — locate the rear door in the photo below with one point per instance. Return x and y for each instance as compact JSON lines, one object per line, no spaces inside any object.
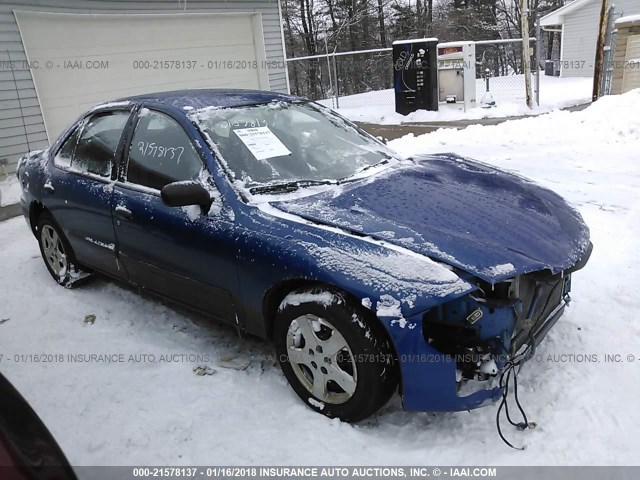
{"x":79,"y":188}
{"x":186,"y":253}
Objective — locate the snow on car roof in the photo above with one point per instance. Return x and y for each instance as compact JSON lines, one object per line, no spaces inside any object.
{"x":201,"y":98}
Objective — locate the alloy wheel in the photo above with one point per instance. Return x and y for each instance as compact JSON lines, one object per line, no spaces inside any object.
{"x":53,"y":249}
{"x":321,"y":359}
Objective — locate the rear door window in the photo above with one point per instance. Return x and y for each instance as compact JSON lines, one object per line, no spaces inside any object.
{"x":97,"y":143}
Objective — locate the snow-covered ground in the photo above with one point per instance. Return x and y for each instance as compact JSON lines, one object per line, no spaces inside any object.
{"x":9,"y":190}
{"x":508,"y":93}
{"x":141,"y":411}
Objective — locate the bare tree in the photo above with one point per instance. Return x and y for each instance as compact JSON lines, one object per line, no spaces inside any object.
{"x":382,"y":31}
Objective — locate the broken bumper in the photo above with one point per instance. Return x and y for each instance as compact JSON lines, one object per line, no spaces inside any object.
{"x":433,"y":366}
{"x":430,"y":377}
{"x":452,"y":356}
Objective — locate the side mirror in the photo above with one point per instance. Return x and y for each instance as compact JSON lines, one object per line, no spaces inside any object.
{"x":182,"y":194}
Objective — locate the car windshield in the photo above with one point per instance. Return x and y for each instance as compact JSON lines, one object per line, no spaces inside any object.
{"x":289,"y":144}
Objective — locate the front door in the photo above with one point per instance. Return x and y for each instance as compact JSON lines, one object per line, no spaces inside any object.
{"x":186,"y":253}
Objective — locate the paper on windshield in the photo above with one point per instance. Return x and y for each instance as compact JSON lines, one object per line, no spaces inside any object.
{"x":262,"y":142}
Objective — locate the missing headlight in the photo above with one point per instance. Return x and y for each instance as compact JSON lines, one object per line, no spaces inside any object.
{"x":474,"y":330}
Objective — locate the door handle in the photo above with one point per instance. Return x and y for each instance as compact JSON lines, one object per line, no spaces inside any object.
{"x":123,"y":212}
{"x":49,"y":188}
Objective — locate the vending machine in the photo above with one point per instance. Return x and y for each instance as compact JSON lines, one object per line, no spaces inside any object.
{"x":457,"y":73}
{"x":415,"y":75}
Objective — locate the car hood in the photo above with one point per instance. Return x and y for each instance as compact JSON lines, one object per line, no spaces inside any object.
{"x":485,"y":221}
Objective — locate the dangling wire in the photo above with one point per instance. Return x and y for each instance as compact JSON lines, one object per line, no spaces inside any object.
{"x":512,"y":368}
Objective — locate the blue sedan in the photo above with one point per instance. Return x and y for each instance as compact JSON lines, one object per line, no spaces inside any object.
{"x":371,"y":274}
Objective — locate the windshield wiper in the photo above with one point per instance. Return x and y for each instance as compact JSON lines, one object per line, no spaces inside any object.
{"x":289,"y":186}
{"x":348,"y":178}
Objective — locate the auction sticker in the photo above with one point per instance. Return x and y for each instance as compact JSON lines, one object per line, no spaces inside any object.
{"x":262,"y":142}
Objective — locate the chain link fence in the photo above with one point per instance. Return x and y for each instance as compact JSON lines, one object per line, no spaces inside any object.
{"x":311,"y":78}
{"x":345,"y":79}
{"x":500,"y":70}
{"x":364,"y":79}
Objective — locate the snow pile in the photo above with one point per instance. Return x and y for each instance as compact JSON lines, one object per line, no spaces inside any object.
{"x":508,"y":92}
{"x":500,"y":270}
{"x":323,"y":298}
{"x":628,"y":19}
{"x":9,"y":191}
{"x":609,"y":122}
{"x":388,"y":306}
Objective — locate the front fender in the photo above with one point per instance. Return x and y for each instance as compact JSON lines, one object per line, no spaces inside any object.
{"x":392,"y":282}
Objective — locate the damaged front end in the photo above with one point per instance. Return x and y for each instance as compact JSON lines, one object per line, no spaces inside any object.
{"x":469,"y":341}
{"x":486,"y":328}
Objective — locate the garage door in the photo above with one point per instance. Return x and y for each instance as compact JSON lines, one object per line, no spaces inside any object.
{"x":80,"y":60}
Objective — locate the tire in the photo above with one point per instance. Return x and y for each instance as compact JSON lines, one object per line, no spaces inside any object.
{"x":57,"y":253}
{"x":335,"y":356}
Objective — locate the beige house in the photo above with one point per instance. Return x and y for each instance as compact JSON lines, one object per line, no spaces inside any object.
{"x":578,"y":22}
{"x":626,"y":57}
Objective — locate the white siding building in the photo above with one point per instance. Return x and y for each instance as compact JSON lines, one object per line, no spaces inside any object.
{"x":60,"y":57}
{"x":579,"y":22}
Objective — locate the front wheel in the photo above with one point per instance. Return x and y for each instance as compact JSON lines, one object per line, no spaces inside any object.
{"x":57,"y":253}
{"x":334,"y":355}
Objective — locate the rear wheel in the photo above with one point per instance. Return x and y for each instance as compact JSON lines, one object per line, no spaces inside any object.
{"x":57,"y":253}
{"x":334,"y":355}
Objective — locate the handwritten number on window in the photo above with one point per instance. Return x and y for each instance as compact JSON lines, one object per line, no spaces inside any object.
{"x":150,"y":149}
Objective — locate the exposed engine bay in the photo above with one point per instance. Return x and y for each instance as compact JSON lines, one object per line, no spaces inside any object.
{"x":484,"y":329}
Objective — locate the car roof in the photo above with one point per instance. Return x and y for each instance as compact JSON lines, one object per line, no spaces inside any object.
{"x":201,"y":98}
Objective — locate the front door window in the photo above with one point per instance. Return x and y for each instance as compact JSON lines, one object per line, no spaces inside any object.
{"x":161,"y":152}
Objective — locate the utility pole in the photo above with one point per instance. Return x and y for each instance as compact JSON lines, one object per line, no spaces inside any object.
{"x":526,"y":50}
{"x":600,"y":68}
{"x":537,"y":57}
